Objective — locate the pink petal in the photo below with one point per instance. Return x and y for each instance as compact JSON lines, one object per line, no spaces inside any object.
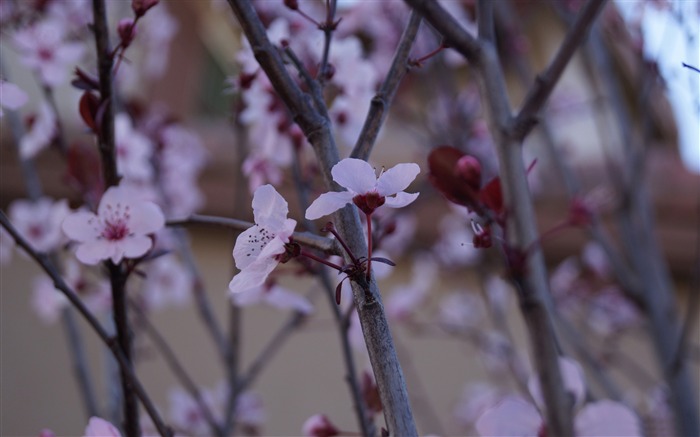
{"x":92,"y":252}
{"x":572,"y":376}
{"x":81,"y":226}
{"x":283,"y":299}
{"x":510,"y":417}
{"x":354,"y":174}
{"x":249,"y":246}
{"x":606,"y":419}
{"x":400,"y":200}
{"x":11,"y":96}
{"x":253,"y":276}
{"x":397,"y":178}
{"x":248,"y":297}
{"x":269,"y":208}
{"x":146,"y":218}
{"x":101,"y":428}
{"x":328,"y":203}
{"x":135,"y":246}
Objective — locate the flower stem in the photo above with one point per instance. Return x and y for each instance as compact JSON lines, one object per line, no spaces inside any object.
{"x":321,"y":260}
{"x":369,"y":246}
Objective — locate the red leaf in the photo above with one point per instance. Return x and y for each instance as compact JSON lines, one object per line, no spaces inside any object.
{"x":492,"y":196}
{"x":446,"y":177}
{"x":88,"y":106}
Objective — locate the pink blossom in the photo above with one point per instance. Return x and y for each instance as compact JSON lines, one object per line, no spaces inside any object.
{"x":454,"y":247}
{"x":120,"y":229}
{"x":257,"y":248}
{"x":407,"y":298}
{"x":156,"y":32}
{"x":513,"y":416}
{"x":167,"y":283}
{"x":498,"y":292}
{"x":365,"y":189}
{"x":101,"y":428}
{"x":40,"y":134}
{"x":611,"y":311}
{"x":43,"y":47}
{"x":70,"y":13}
{"x":260,"y":170}
{"x":39,"y":222}
{"x":47,"y":302}
{"x":186,"y":414}
{"x":319,"y":425}
{"x":595,"y":258}
{"x":606,"y":418}
{"x":475,"y":400}
{"x":134,"y":150}
{"x":250,"y":410}
{"x":275,"y":296}
{"x":46,"y":433}
{"x":11,"y":96}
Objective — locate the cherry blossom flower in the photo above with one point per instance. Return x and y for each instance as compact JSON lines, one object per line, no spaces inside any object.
{"x":43,"y":48}
{"x":40,"y":134}
{"x":250,"y":410}
{"x":275,"y":296}
{"x":47,"y":302}
{"x":39,"y":222}
{"x":257,"y":249}
{"x":157,"y":30}
{"x":186,"y":414}
{"x":455,"y":247}
{"x":98,"y":427}
{"x":134,"y":150}
{"x":11,"y":96}
{"x":367,"y":191}
{"x":120,"y":229}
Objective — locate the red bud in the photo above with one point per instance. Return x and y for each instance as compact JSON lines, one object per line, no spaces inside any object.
{"x":140,"y":7}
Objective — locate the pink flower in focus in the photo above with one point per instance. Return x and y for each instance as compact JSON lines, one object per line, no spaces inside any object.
{"x":39,"y":222}
{"x":43,"y":48}
{"x":11,"y":96}
{"x":367,"y":191}
{"x":40,"y":134}
{"x":257,"y":248}
{"x":318,"y":425}
{"x":275,"y":296}
{"x":120,"y":229}
{"x":101,"y":428}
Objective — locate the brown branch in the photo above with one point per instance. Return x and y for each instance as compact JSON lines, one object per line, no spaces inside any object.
{"x":379,"y":107}
{"x":380,"y":347}
{"x":485,"y":21}
{"x":109,"y":341}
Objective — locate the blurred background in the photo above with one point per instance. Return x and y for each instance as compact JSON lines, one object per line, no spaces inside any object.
{"x":618,"y":102}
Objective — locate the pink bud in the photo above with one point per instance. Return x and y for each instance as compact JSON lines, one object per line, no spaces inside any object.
{"x":126,"y":31}
{"x":318,"y":425}
{"x":140,"y":7}
{"x":469,"y":169}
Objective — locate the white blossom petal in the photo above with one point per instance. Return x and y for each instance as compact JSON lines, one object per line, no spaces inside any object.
{"x":397,"y":178}
{"x":283,"y":299}
{"x":606,"y":419}
{"x":269,"y":207}
{"x":146,"y":218}
{"x":250,"y":244}
{"x":354,"y":174}
{"x":135,"y":246}
{"x":400,"y":200}
{"x":101,"y":428}
{"x":80,"y":226}
{"x":513,"y":416}
{"x":253,"y":276}
{"x":328,"y":203}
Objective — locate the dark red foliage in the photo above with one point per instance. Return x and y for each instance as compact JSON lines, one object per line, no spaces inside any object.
{"x":449,"y":180}
{"x":88,"y":107}
{"x":83,"y":171}
{"x":140,"y":7}
{"x":492,"y":196}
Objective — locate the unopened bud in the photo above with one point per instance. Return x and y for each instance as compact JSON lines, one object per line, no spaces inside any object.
{"x":292,"y":4}
{"x":126,"y":31}
{"x":468,"y":169}
{"x":140,"y":7}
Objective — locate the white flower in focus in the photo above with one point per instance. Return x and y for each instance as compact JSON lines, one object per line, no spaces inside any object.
{"x":257,"y":248}
{"x":367,"y":191}
{"x":101,"y":428}
{"x":11,"y":96}
{"x":39,"y":222}
{"x":40,"y":134}
{"x":275,"y":296}
{"x":44,"y":49}
{"x":120,"y":229}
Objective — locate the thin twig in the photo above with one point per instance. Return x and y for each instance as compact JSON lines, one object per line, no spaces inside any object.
{"x":108,"y":340}
{"x":485,"y":20}
{"x":174,"y":364}
{"x":379,"y":107}
{"x":325,"y":245}
{"x":328,"y":29}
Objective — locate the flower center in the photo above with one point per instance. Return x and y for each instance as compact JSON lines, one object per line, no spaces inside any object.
{"x":368,"y":202}
{"x":259,"y":241}
{"x":116,"y":222}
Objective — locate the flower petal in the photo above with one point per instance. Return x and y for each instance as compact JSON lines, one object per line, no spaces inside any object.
{"x":146,"y":218}
{"x":252,"y":276}
{"x":250,"y":244}
{"x":269,"y":207}
{"x":94,"y":251}
{"x":101,"y":428}
{"x":81,"y":226}
{"x":135,"y":246}
{"x":510,"y":417}
{"x":397,"y":178}
{"x":284,"y":299}
{"x":606,"y":419}
{"x":328,"y":203}
{"x":400,"y":200}
{"x":354,"y":174}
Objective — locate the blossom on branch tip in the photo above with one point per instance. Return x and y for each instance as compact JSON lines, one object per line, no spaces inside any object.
{"x":120,"y":229}
{"x":39,"y":221}
{"x":367,"y":191}
{"x":257,"y":249}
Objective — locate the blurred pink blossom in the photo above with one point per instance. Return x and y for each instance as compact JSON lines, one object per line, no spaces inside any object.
{"x":120,"y":229}
{"x":39,"y":222}
{"x":274,"y":295}
{"x":407,"y":298}
{"x":44,"y":48}
{"x":98,"y":427}
{"x":461,"y":310}
{"x":134,"y":150}
{"x":40,"y":134}
{"x":257,"y":248}
{"x":12,"y":97}
{"x":167,"y":283}
{"x":319,"y":425}
{"x":475,"y":400}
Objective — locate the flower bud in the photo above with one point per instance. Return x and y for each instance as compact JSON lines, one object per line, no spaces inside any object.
{"x":140,"y":7}
{"x":126,"y":31}
{"x":468,"y":168}
{"x":292,"y":4}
